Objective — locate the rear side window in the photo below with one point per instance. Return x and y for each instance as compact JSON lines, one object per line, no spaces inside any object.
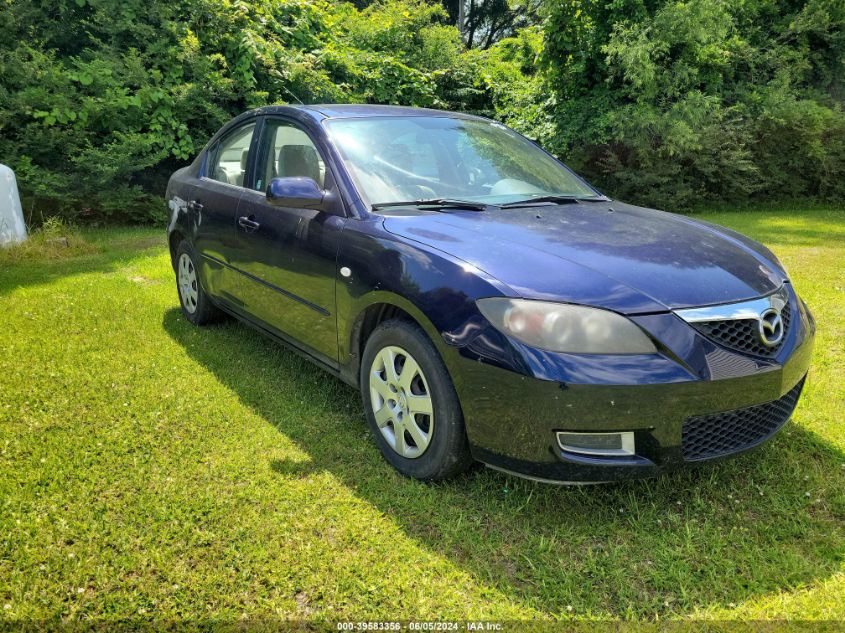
{"x":287,"y":151}
{"x":230,"y":159}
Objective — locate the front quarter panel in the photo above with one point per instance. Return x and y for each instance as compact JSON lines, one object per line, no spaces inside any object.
{"x":437,"y":290}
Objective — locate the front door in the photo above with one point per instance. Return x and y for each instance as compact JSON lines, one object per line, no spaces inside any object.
{"x":289,"y":254}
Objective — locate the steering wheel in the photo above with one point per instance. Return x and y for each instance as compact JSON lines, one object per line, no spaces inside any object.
{"x":404,"y":178}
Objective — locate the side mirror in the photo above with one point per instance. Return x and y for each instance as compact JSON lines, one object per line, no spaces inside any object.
{"x":296,"y":192}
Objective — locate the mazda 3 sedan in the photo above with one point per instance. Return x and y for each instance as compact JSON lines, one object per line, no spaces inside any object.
{"x":490,"y":305}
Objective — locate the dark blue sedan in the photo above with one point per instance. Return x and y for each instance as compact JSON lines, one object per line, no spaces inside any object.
{"x":489,"y":304}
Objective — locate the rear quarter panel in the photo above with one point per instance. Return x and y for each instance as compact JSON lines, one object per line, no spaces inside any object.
{"x":180,"y":189}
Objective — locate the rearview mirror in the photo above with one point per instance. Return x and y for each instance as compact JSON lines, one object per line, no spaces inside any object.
{"x":295,"y":192}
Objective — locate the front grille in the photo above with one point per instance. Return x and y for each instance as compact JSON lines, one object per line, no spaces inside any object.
{"x":743,"y":335}
{"x":724,"y":433}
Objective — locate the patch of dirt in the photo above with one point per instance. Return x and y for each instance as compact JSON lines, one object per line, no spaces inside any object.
{"x":144,"y":281}
{"x":303,"y":605}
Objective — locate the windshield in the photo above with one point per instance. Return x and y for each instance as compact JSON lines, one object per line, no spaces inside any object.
{"x":398,"y":159}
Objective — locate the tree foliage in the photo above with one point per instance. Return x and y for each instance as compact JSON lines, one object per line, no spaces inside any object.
{"x":101,"y":99}
{"x":660,"y":101}
{"x":488,"y":21}
{"x":679,"y":102}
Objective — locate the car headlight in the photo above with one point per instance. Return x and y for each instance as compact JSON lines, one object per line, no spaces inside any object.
{"x":560,"y":327}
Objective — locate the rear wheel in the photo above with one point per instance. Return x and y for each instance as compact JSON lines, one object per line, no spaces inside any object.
{"x":411,"y":404}
{"x":196,"y":305}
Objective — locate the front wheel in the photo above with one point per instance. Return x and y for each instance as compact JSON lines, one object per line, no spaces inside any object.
{"x":196,"y":304}
{"x":411,"y":404}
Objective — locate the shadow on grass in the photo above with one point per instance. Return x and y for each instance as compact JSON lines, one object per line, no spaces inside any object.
{"x":112,"y":255}
{"x":779,"y":228}
{"x":690,"y":541}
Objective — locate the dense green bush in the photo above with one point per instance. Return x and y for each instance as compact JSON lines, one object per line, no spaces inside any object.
{"x":101,"y":99}
{"x":658,"y":101}
{"x":675,"y":103}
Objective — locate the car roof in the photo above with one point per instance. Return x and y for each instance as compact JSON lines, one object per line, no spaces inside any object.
{"x":320,"y":112}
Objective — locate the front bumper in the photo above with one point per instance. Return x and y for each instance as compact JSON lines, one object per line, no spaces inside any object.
{"x":515,"y":399}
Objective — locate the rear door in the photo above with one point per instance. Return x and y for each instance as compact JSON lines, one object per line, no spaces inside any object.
{"x":216,"y":201}
{"x":288,"y":255}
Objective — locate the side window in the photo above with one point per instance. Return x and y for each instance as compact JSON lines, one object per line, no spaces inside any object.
{"x":287,"y":151}
{"x":230,"y":160}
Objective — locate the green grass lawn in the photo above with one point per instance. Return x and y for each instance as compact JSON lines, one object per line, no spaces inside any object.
{"x":153,"y":470}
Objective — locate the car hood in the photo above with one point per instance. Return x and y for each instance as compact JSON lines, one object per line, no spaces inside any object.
{"x":607,"y":254}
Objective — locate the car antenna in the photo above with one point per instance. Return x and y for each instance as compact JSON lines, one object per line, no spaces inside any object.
{"x":293,"y":95}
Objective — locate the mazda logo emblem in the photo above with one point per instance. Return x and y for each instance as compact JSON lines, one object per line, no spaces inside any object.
{"x":771,"y":327}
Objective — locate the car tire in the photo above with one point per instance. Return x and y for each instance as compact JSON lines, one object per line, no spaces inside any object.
{"x":196,"y":304}
{"x":426,"y":447}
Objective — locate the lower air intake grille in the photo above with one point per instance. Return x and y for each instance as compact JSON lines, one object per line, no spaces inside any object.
{"x":724,"y":433}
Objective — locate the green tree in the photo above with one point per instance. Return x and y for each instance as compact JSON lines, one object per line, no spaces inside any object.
{"x":674,"y":103}
{"x":100,"y":100}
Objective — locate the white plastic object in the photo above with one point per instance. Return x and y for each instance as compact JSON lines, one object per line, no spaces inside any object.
{"x":12,"y":227}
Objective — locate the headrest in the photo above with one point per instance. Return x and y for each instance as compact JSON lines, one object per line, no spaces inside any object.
{"x":244,"y":156}
{"x":299,"y":160}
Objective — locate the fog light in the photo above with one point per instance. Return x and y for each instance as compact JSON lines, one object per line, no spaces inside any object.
{"x":598,"y":444}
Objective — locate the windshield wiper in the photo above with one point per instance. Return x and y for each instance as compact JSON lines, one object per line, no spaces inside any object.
{"x":435,"y":203}
{"x":553,"y":198}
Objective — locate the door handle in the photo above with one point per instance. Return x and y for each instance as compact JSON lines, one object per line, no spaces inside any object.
{"x":194,"y":205}
{"x":248,"y":223}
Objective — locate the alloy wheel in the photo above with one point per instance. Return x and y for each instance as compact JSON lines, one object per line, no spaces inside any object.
{"x":401,"y":402}
{"x":187,"y":278}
